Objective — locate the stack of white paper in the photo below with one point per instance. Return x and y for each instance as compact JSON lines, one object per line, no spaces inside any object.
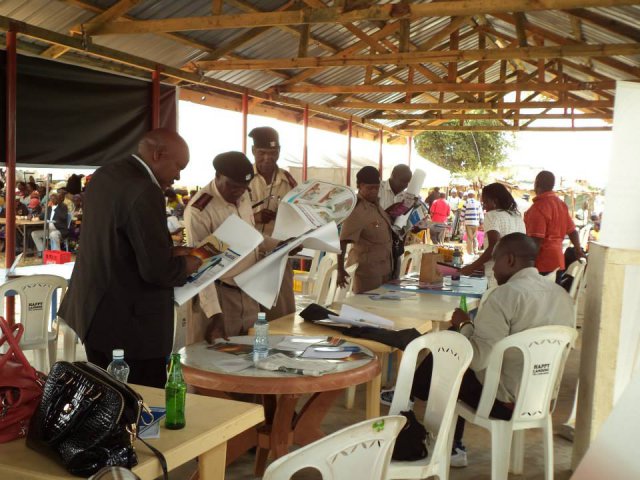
{"x":353,"y":316}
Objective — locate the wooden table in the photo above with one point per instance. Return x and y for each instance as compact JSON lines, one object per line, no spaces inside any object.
{"x":280,"y":392}
{"x":211,"y":422}
{"x":24,"y":225}
{"x":294,"y":324}
{"x":419,"y":308}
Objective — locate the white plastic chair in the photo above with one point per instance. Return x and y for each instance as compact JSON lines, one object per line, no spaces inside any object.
{"x":358,"y":451}
{"x":308,"y":278}
{"x":322,"y":284}
{"x":452,"y":355}
{"x":339,"y":294}
{"x":544,"y":351}
{"x":40,"y":333}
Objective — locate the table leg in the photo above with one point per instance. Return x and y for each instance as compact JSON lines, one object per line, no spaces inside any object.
{"x":373,"y":397}
{"x":306,"y":427}
{"x":211,"y":464}
{"x":277,"y":435}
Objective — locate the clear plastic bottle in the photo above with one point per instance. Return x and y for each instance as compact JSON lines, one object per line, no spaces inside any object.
{"x":457,"y":257}
{"x":118,"y":368}
{"x":261,"y":340}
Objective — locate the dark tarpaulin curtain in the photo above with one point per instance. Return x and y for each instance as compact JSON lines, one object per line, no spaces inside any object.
{"x":68,"y":115}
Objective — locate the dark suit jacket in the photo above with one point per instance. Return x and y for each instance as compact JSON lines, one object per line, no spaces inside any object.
{"x":59,"y":218}
{"x":121,"y":290}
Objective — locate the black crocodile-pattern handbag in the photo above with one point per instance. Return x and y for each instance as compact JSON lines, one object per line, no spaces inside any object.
{"x":87,"y":419}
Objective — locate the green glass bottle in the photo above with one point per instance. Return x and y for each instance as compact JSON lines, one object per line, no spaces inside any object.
{"x":463,"y":304}
{"x":175,"y":395}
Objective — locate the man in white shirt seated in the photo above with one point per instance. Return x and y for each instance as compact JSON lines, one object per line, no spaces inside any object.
{"x":57,"y":223}
{"x":523,"y":299}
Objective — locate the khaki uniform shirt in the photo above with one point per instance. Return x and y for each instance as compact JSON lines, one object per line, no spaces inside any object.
{"x":202,"y":222}
{"x":369,"y":228}
{"x":282,"y":183}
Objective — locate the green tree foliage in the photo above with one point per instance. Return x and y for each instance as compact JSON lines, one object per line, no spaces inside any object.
{"x":472,"y":154}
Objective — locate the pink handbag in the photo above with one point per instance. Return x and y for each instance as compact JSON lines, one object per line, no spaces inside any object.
{"x":20,"y":385}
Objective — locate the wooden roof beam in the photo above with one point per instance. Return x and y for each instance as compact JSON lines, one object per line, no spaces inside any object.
{"x":492,"y":116}
{"x":412,"y":58}
{"x":476,"y":106}
{"x":453,"y":87}
{"x":500,"y":128}
{"x":605,"y":23}
{"x":338,"y":15}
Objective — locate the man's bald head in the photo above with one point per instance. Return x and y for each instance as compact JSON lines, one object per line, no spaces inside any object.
{"x":400,"y":178}
{"x":166,"y":153}
{"x":545,"y":181}
{"x":511,"y":254}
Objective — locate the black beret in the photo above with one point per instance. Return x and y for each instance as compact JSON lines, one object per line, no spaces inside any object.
{"x":234,"y":165}
{"x":369,"y":175}
{"x":265,"y":137}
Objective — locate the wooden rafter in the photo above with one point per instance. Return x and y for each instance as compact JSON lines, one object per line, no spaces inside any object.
{"x":475,"y":106}
{"x":337,"y":15}
{"x":560,"y":51}
{"x":608,"y":24}
{"x":500,"y":128}
{"x":492,"y":116}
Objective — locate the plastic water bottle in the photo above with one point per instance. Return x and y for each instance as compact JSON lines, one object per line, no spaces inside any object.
{"x":261,"y":340}
{"x":118,"y":368}
{"x":175,"y":392}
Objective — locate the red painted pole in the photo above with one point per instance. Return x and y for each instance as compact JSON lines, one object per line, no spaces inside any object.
{"x":381,"y":140}
{"x":305,"y":128}
{"x":410,"y":141}
{"x":245,"y":116}
{"x":155,"y":99}
{"x":10,"y":153}
{"x":350,"y":131}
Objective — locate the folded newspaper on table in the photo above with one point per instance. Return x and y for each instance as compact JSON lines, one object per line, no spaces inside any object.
{"x":354,"y":316}
{"x":220,"y":251}
{"x":310,"y":205}
{"x":308,"y":216}
{"x":282,"y":363}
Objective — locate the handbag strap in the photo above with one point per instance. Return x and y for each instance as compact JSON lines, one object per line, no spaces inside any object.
{"x":161,"y":459}
{"x":13,"y":339}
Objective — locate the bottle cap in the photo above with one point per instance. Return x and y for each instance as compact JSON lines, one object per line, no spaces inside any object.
{"x":118,"y":353}
{"x":262,"y":316}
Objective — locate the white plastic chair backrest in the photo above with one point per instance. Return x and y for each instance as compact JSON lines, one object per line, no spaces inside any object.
{"x":325,"y":264}
{"x":452,"y":354}
{"x":584,"y":234}
{"x":339,"y":294}
{"x":35,"y":294}
{"x":325,"y":280}
{"x":544,"y":351}
{"x":362,"y":450}
{"x":576,"y":270}
{"x":315,"y":261}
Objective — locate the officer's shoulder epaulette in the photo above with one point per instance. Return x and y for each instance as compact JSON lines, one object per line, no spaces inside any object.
{"x":292,"y":181}
{"x":202,"y":201}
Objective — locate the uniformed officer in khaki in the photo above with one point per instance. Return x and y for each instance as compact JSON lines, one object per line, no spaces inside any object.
{"x":269,"y":185}
{"x":369,"y":229}
{"x":222,"y":308}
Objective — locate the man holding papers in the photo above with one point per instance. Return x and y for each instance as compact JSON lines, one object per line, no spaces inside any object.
{"x":369,"y":229}
{"x":268,"y":186}
{"x":229,"y":310}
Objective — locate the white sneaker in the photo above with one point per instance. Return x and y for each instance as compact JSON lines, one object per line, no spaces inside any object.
{"x":459,"y":457}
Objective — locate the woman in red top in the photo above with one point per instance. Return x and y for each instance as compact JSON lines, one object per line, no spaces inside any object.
{"x":440,"y":211}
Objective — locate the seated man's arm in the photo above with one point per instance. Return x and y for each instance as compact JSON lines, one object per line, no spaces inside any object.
{"x":490,"y":326}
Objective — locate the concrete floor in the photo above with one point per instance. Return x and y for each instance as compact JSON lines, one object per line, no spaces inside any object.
{"x":476,"y":439}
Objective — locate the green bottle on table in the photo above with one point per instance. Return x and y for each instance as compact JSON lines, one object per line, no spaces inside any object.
{"x":463,"y":304}
{"x":175,"y":395}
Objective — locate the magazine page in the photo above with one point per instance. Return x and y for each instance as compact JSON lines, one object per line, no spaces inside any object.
{"x":310,"y":205}
{"x":229,"y":244}
{"x":262,"y":280}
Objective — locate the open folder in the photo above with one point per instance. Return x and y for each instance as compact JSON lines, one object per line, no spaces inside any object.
{"x":353,"y":316}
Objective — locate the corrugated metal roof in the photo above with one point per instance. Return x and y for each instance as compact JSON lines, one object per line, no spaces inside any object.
{"x":283,"y":42}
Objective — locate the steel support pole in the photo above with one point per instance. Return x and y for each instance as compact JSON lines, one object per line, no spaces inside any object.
{"x":155,"y":99}
{"x":10,"y":156}
{"x":245,"y":116}
{"x":305,"y":157}
{"x":349,"y":133}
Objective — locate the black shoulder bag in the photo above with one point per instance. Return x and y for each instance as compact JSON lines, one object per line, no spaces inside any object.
{"x":411,"y":441}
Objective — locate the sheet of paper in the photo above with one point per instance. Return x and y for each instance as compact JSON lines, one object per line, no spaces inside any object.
{"x":313,"y":353}
{"x":242,"y":239}
{"x":262,"y":280}
{"x":355,"y":316}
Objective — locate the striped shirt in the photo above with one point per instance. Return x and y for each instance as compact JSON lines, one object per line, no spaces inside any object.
{"x":472,"y":213}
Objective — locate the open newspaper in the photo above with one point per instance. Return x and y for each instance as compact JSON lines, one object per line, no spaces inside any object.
{"x":310,"y":205}
{"x":220,"y":251}
{"x":308,"y":216}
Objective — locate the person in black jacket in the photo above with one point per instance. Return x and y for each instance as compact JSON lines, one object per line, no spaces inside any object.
{"x":121,"y":289}
{"x":57,"y":223}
